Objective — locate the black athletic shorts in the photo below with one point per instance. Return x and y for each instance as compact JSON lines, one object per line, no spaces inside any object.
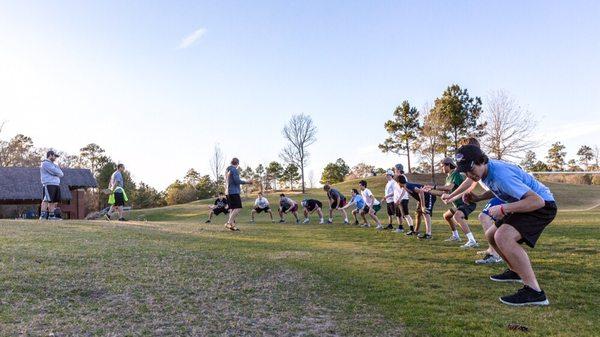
{"x":404,"y":205}
{"x":219,"y":210}
{"x":338,"y":203}
{"x":51,"y":193}
{"x":312,"y":205}
{"x":260,"y":210}
{"x":119,"y":199}
{"x":531,"y":224}
{"x":234,"y":201}
{"x":392,"y":210}
{"x":466,"y":209}
{"x":429,"y":202}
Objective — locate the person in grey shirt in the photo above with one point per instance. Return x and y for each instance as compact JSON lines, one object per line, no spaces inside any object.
{"x":50,"y":175}
{"x":234,"y":182}
{"x":116,"y":185}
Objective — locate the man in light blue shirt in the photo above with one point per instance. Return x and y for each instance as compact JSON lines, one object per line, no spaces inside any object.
{"x":529,"y":208}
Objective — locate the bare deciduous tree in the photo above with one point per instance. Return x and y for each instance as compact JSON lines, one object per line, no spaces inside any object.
{"x":509,"y":127}
{"x":217,"y":164}
{"x":300,"y":132}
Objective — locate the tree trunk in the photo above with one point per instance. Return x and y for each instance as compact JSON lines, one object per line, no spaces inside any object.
{"x":433,"y":164}
{"x":408,"y":156}
{"x":302,"y":173}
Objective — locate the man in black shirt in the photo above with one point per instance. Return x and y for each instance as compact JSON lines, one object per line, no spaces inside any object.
{"x":221,"y":206}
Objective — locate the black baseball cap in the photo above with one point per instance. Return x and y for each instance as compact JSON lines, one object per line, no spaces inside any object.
{"x":466,"y":156}
{"x":51,"y":153}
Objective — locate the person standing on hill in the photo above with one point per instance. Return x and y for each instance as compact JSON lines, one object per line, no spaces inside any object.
{"x":118,"y":197}
{"x":399,"y":172}
{"x":234,"y":182}
{"x":50,"y":175}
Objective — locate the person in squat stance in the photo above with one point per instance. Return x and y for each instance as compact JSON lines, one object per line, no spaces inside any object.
{"x":220,"y":206}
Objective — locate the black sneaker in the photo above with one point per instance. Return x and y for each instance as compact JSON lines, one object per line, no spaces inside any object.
{"x":207,"y":221}
{"x":525,"y":296}
{"x":507,"y":276}
{"x":281,"y":221}
{"x":356,"y":223}
{"x":411,"y":232}
{"x":424,"y":236}
{"x":122,"y":219}
{"x":390,"y":226}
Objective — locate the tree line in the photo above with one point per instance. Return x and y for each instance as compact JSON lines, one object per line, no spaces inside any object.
{"x":504,"y":128}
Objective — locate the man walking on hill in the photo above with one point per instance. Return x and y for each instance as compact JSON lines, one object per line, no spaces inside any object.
{"x":50,"y":175}
{"x":118,"y":197}
{"x":233,"y":181}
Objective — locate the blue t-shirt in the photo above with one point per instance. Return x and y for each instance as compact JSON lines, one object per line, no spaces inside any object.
{"x":510,"y":183}
{"x":360,"y":202}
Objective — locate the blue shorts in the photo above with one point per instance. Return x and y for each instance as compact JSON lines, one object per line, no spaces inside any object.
{"x":493,"y":202}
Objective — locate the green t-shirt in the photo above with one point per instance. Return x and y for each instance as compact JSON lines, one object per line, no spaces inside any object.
{"x":455,"y":178}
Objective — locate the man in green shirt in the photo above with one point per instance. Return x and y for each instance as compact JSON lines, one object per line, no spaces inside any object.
{"x":460,"y":212}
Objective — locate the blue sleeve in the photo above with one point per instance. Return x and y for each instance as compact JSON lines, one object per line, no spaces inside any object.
{"x":235,"y":176}
{"x":513,"y":186}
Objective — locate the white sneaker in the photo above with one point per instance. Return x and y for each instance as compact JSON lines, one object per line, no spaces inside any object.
{"x":321,"y":222}
{"x":453,"y":238}
{"x":379,"y":227}
{"x":307,"y":220}
{"x":399,"y":230}
{"x":346,"y":222}
{"x":489,"y":259}
{"x":470,"y":244}
{"x":365,"y":225}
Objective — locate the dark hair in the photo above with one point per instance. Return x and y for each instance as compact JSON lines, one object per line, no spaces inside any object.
{"x":221,"y":193}
{"x":355,"y":191}
{"x":260,"y":193}
{"x":282,"y":195}
{"x":363,"y":183}
{"x":235,"y":161}
{"x":120,"y":166}
{"x":481,"y":160}
{"x":326,"y":187}
{"x":469,"y":141}
{"x":401,"y":179}
{"x":452,"y":166}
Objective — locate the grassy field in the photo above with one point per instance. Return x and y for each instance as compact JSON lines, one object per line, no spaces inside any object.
{"x":175,"y":275}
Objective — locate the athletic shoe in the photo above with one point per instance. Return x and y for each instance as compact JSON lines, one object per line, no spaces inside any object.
{"x":321,"y":222}
{"x":297,"y":222}
{"x":411,"y":232}
{"x":307,"y":220}
{"x":400,"y":230}
{"x":424,"y":236}
{"x":207,"y":221}
{"x":507,"y":276}
{"x":356,"y":223}
{"x":346,"y":222}
{"x":251,"y":221}
{"x":122,"y":219}
{"x":365,"y":225}
{"x":106,"y":217}
{"x":470,"y":244}
{"x":281,"y":221}
{"x":329,"y":221}
{"x":525,"y":296}
{"x":379,"y":227}
{"x":390,"y":226}
{"x":453,"y":238}
{"x":489,"y":259}
{"x":43,"y":215}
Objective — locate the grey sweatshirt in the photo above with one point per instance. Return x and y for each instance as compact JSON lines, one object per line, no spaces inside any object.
{"x":234,"y":181}
{"x":50,"y":173}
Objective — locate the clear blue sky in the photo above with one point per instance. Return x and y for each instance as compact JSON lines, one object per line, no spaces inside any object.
{"x":120,"y":74}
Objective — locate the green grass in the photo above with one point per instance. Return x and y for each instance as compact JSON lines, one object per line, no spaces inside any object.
{"x":175,"y":276}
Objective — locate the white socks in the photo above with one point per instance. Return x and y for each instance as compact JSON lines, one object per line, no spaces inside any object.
{"x":471,"y":237}
{"x":455,"y":234}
